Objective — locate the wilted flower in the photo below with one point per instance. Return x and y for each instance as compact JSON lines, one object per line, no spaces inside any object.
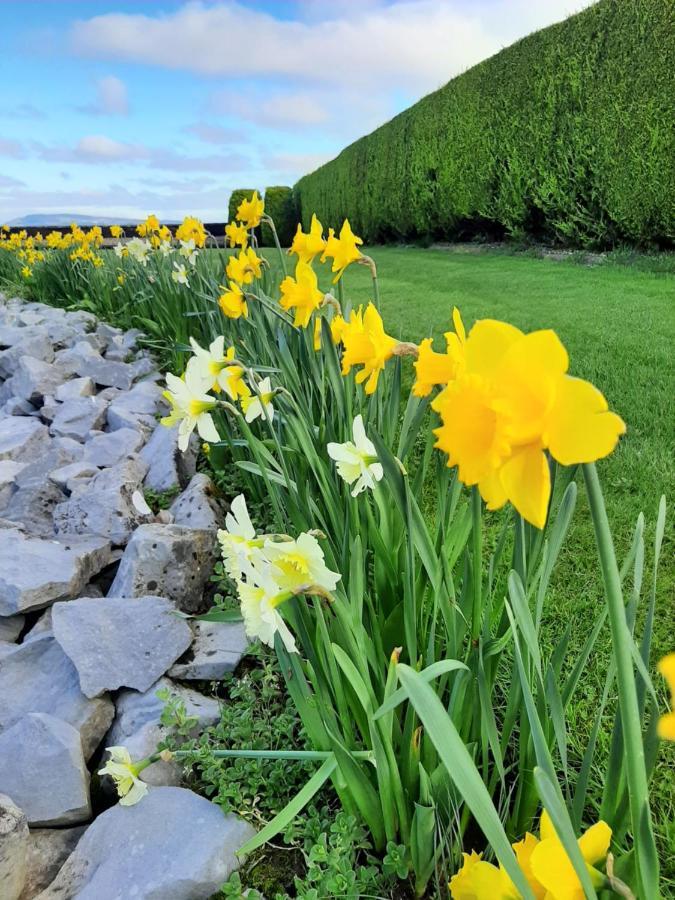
{"x":214,"y":366}
{"x":667,"y":721}
{"x":255,"y":406}
{"x":309,"y":245}
{"x":251,"y":211}
{"x":191,"y":406}
{"x":512,"y":400}
{"x":366,"y":344}
{"x":343,"y":250}
{"x":125,"y":775}
{"x":180,"y":275}
{"x":357,"y":462}
{"x":301,"y":293}
{"x":232,"y":301}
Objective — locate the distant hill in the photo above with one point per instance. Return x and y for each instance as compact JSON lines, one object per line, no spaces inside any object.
{"x":35,"y":220}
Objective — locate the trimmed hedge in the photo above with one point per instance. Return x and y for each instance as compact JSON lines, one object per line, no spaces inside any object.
{"x":566,"y":135}
{"x":280,"y":205}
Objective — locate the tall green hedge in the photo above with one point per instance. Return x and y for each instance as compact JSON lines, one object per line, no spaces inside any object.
{"x":280,"y":206}
{"x":566,"y":135}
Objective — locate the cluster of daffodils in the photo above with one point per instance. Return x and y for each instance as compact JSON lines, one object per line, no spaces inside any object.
{"x":152,"y":236}
{"x":246,"y":266}
{"x":544,"y":863}
{"x":30,"y":249}
{"x":210,"y":374}
{"x":268,"y":570}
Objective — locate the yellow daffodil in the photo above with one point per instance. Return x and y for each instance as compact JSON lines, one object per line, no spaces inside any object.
{"x":343,"y":250}
{"x":214,"y":366}
{"x":237,"y":235}
{"x":337,"y":328}
{"x":120,"y":280}
{"x":301,"y":293}
{"x":191,"y":229}
{"x":356,"y":461}
{"x":480,"y":880}
{"x":510,"y":401}
{"x":667,"y":721}
{"x":299,"y":563}
{"x":316,"y":342}
{"x":259,"y":405}
{"x":434,"y":368}
{"x":307,"y":246}
{"x":116,"y":231}
{"x":244,"y":267}
{"x":125,"y":775}
{"x":366,"y":344}
{"x":238,"y":543}
{"x":232,"y":301}
{"x":251,"y":211}
{"x":191,"y":406}
{"x":552,"y":868}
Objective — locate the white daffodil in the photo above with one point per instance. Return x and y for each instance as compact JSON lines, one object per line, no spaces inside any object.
{"x":256,"y":405}
{"x":218,"y":374}
{"x":259,"y":596}
{"x":191,"y":406}
{"x":238,"y":541}
{"x":189,"y":251}
{"x":120,"y":250}
{"x":125,"y":775}
{"x":180,"y":276}
{"x":356,"y":461}
{"x":299,"y":563}
{"x":139,"y":250}
{"x":165,"y":248}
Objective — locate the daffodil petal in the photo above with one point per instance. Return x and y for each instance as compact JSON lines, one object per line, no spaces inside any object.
{"x":594,"y":843}
{"x":580,"y":428}
{"x":526,"y":479}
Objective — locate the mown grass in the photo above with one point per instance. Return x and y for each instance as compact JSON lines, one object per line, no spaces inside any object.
{"x":618,"y":324}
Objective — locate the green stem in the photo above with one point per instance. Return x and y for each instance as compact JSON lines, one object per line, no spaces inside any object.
{"x":634,"y":760}
{"x":273,"y":229}
{"x":476,"y":558}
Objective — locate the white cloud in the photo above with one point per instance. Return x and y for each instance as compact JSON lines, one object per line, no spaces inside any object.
{"x":215,"y":134}
{"x":412,"y":45}
{"x":111,"y":99}
{"x":99,"y":147}
{"x":11,"y":148}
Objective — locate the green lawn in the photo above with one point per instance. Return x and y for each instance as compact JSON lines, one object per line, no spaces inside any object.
{"x":618,"y":324}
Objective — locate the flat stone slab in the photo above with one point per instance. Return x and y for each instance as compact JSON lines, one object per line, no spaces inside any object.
{"x":138,"y":726}
{"x":35,"y":572}
{"x":110,"y":448}
{"x":169,"y":561}
{"x":34,"y":379}
{"x":75,"y":389}
{"x":22,"y":438}
{"x":39,"y":677}
{"x":48,"y":849}
{"x":44,"y":767}
{"x":120,"y":642}
{"x":76,"y":418}
{"x":172,"y":845}
{"x":217,"y":649}
{"x":13,"y":849}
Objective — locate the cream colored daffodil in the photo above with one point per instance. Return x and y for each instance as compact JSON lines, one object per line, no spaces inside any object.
{"x":214,"y":365}
{"x":191,"y":406}
{"x":299,"y":564}
{"x":238,"y":543}
{"x":356,"y":461}
{"x":259,"y":596}
{"x":125,"y":775}
{"x":259,"y":405}
{"x":180,"y":275}
{"x":189,"y":250}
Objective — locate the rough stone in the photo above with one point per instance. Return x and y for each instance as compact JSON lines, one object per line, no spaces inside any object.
{"x":169,"y":467}
{"x":76,"y":418}
{"x":59,"y":452}
{"x":48,"y":849}
{"x":217,"y":649}
{"x":14,"y":842}
{"x":105,"y":505}
{"x":108,"y":449}
{"x":168,"y":561}
{"x":22,"y":438}
{"x":37,"y":676}
{"x":42,"y":628}
{"x":75,"y":389}
{"x":17,"y":342}
{"x":34,"y":379}
{"x":36,"y":572}
{"x":138,"y":727}
{"x":120,"y":642}
{"x":9,"y":469}
{"x":10,"y":627}
{"x":198,"y":506}
{"x":174,"y":845}
{"x":136,"y":408}
{"x":33,"y":507}
{"x":44,"y":767}
{"x":74,"y":475}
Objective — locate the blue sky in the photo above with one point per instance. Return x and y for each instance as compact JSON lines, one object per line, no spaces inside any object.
{"x":125,"y":108}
